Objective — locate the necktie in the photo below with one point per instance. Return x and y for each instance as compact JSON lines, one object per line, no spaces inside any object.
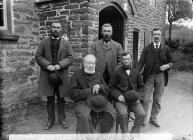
{"x":156,"y":47}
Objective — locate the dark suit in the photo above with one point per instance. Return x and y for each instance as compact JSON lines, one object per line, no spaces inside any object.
{"x":80,"y":88}
{"x":120,"y":83}
{"x":152,"y":80}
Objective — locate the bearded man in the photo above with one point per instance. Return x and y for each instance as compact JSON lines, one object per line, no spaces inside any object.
{"x":108,"y":53}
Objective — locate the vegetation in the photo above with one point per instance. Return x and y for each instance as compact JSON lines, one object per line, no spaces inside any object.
{"x":181,"y":47}
{"x":178,"y":10}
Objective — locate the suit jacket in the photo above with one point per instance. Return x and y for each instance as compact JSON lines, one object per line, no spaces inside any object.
{"x":43,"y":58}
{"x":81,"y":85}
{"x":111,"y":54}
{"x":146,"y":60}
{"x":120,"y":80}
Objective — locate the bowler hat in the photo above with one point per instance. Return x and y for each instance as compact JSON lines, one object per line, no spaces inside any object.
{"x":54,"y":78}
{"x":96,"y":102}
{"x":131,"y":96}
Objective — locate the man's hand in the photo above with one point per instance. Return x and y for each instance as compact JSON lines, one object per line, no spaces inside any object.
{"x":121,"y":99}
{"x":164,"y":67}
{"x":57,"y":67}
{"x":51,"y":67}
{"x":96,"y":89}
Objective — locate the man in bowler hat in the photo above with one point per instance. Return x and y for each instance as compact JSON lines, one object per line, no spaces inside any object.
{"x":126,"y":87}
{"x":89,"y":93}
{"x":54,"y":56}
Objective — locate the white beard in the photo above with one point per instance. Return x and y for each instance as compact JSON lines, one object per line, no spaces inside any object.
{"x":88,"y":71}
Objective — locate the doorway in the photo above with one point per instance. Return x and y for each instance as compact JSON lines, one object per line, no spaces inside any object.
{"x":135,"y":47}
{"x":113,"y":16}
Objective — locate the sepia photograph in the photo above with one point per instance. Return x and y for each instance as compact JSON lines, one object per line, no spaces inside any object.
{"x":96,"y":69}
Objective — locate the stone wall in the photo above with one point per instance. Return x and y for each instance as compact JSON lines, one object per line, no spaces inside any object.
{"x":18,"y":69}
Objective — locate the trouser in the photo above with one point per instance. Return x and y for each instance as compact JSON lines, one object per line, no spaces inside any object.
{"x":60,"y":106}
{"x":139,"y":113}
{"x":154,"y":85}
{"x":86,"y":118}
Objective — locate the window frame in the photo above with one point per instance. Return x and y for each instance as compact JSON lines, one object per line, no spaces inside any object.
{"x":4,"y":2}
{"x":6,"y":31}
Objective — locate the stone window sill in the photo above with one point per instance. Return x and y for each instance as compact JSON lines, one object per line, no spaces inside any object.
{"x":8,"y":36}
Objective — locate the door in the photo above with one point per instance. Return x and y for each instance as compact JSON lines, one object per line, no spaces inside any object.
{"x":111,"y":15}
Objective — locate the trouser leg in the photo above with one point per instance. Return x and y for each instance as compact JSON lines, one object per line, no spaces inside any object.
{"x":146,"y":99}
{"x":139,"y":116}
{"x":60,"y":106}
{"x":82,"y":112}
{"x":123,"y":116}
{"x":157,"y":94}
{"x":50,"y":108}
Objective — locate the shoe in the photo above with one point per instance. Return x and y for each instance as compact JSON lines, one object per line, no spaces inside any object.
{"x":143,"y":124}
{"x":63,"y":124}
{"x":154,"y":123}
{"x":49,"y":125}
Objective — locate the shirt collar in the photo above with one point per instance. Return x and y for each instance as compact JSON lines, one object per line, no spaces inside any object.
{"x":56,"y":38}
{"x":154,"y":44}
{"x":106,"y":44}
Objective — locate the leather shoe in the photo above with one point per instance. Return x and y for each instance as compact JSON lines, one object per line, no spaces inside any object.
{"x":154,"y":123}
{"x":63,"y":124}
{"x":49,"y":125}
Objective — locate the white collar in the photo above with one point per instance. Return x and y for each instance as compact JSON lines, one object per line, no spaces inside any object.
{"x":106,"y":43}
{"x":154,"y":44}
{"x":56,"y":38}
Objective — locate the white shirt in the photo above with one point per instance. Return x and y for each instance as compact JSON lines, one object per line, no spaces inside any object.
{"x":128,"y":72}
{"x":154,"y":44}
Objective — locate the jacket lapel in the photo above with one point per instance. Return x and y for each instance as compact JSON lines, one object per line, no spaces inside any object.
{"x":106,"y":47}
{"x":61,"y":44}
{"x":49,"y":49}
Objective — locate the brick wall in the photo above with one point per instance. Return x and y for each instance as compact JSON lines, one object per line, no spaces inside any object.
{"x":80,"y":19}
{"x":73,"y":14}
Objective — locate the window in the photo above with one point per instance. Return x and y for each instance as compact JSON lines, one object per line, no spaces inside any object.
{"x":6,"y":21}
{"x":3,"y":15}
{"x":152,"y":2}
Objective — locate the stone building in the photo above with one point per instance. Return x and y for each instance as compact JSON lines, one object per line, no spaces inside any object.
{"x":23,"y":23}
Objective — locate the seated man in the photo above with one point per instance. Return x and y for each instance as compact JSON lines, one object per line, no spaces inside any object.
{"x":126,"y":86}
{"x":90,"y":96}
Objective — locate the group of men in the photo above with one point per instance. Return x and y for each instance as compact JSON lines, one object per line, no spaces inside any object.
{"x":106,"y":85}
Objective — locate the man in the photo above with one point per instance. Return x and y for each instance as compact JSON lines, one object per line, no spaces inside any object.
{"x":126,"y":87}
{"x":87,"y":84}
{"x":107,"y":52}
{"x":54,"y":56}
{"x":156,"y":60}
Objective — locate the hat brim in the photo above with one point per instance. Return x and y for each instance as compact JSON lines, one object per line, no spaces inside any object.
{"x":95,"y":109}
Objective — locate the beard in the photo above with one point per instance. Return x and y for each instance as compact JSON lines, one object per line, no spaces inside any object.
{"x":127,"y":67}
{"x":55,"y":34}
{"x":106,"y":38}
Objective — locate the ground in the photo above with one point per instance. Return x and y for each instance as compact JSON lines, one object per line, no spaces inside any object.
{"x":176,"y":116}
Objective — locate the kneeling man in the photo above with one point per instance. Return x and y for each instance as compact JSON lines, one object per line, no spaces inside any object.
{"x":89,"y":93}
{"x":126,"y":87}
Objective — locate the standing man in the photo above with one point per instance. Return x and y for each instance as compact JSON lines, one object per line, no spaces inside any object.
{"x":156,"y":60}
{"x":89,"y":92}
{"x":107,"y":52}
{"x":126,"y":86}
{"x":54,"y":56}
